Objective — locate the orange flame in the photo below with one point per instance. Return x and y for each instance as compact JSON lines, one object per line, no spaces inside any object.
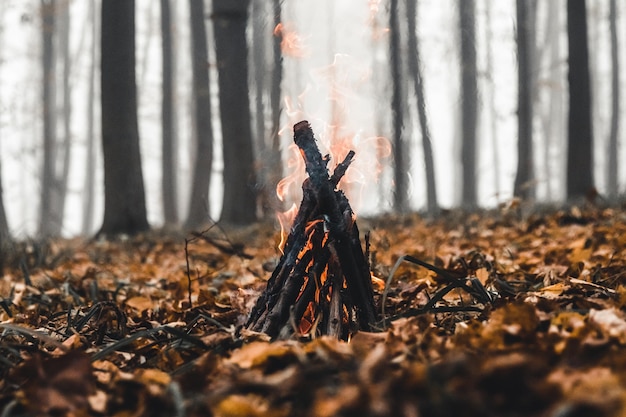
{"x":291,"y":43}
{"x":286,"y":219}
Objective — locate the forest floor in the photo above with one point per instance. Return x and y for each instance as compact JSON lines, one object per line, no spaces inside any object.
{"x":134,"y":327}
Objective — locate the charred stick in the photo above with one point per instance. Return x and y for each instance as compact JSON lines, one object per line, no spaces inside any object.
{"x":341,"y":169}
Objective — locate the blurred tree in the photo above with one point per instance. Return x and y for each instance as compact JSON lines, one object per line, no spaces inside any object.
{"x":168,"y":145}
{"x":203,"y":165}
{"x":469,"y":101}
{"x":274,"y":155}
{"x":229,"y":25}
{"x":418,"y":83}
{"x":65,"y":146}
{"x":613,"y":170}
{"x":259,"y":68}
{"x":523,"y":186}
{"x":552,"y":118}
{"x":269,"y":153}
{"x":124,"y":197}
{"x":491,"y":96}
{"x":580,"y":131}
{"x":400,"y":154}
{"x":260,"y":72}
{"x":49,"y":219}
{"x":5,"y":236}
{"x":89,"y":183}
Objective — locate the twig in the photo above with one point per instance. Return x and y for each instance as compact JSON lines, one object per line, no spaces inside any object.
{"x":454,"y":282}
{"x":147,"y":333}
{"x":188,"y":273}
{"x":35,"y":335}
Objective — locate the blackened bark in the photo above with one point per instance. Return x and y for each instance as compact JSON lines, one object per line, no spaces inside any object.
{"x":124,"y":199}
{"x":613,"y":168}
{"x":203,"y":165}
{"x":168,"y":145}
{"x":229,"y":25}
{"x":580,"y":131}
{"x":525,"y":53}
{"x":469,"y":102}
{"x":418,"y":84}
{"x":400,"y":155}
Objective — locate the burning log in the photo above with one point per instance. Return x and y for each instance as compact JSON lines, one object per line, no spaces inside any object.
{"x":322,"y":283}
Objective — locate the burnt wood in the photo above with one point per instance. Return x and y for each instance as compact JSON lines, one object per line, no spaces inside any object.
{"x":322,"y":279}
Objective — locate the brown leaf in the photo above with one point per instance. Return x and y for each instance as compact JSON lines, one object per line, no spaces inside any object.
{"x":57,"y":384}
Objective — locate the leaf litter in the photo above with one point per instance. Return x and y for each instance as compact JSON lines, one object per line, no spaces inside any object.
{"x":153,"y":325}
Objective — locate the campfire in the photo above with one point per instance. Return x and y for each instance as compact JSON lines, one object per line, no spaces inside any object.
{"x":322,"y":283}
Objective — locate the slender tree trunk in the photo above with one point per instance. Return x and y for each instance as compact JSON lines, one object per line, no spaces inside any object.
{"x":90,"y":182}
{"x":580,"y":130}
{"x":66,"y":147}
{"x":276,"y":164}
{"x":5,"y":236}
{"x":552,"y":119}
{"x":469,"y":102}
{"x":124,"y":197}
{"x":48,"y":222}
{"x":523,"y":186}
{"x":229,"y":25}
{"x":400,"y":156}
{"x":168,"y":145}
{"x":259,"y":70}
{"x":493,"y":113}
{"x":259,"y":31}
{"x":613,"y":170}
{"x":418,"y":83}
{"x":203,"y":165}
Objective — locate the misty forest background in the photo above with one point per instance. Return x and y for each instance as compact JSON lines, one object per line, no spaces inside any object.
{"x":118,"y":115}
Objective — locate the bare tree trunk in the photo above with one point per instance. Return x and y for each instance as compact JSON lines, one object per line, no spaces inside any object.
{"x":5,"y":236}
{"x":229,"y":25}
{"x":469,"y":102}
{"x":124,"y":197}
{"x":552,"y":119}
{"x":418,"y":83}
{"x":259,"y":70}
{"x":203,"y":165}
{"x":276,"y":164}
{"x":523,"y":186}
{"x":493,"y":114}
{"x":400,"y":155}
{"x":48,"y":220}
{"x":259,"y":32}
{"x":613,"y":170}
{"x":90,"y":182}
{"x":580,"y":130}
{"x":66,"y":147}
{"x":168,"y":145}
